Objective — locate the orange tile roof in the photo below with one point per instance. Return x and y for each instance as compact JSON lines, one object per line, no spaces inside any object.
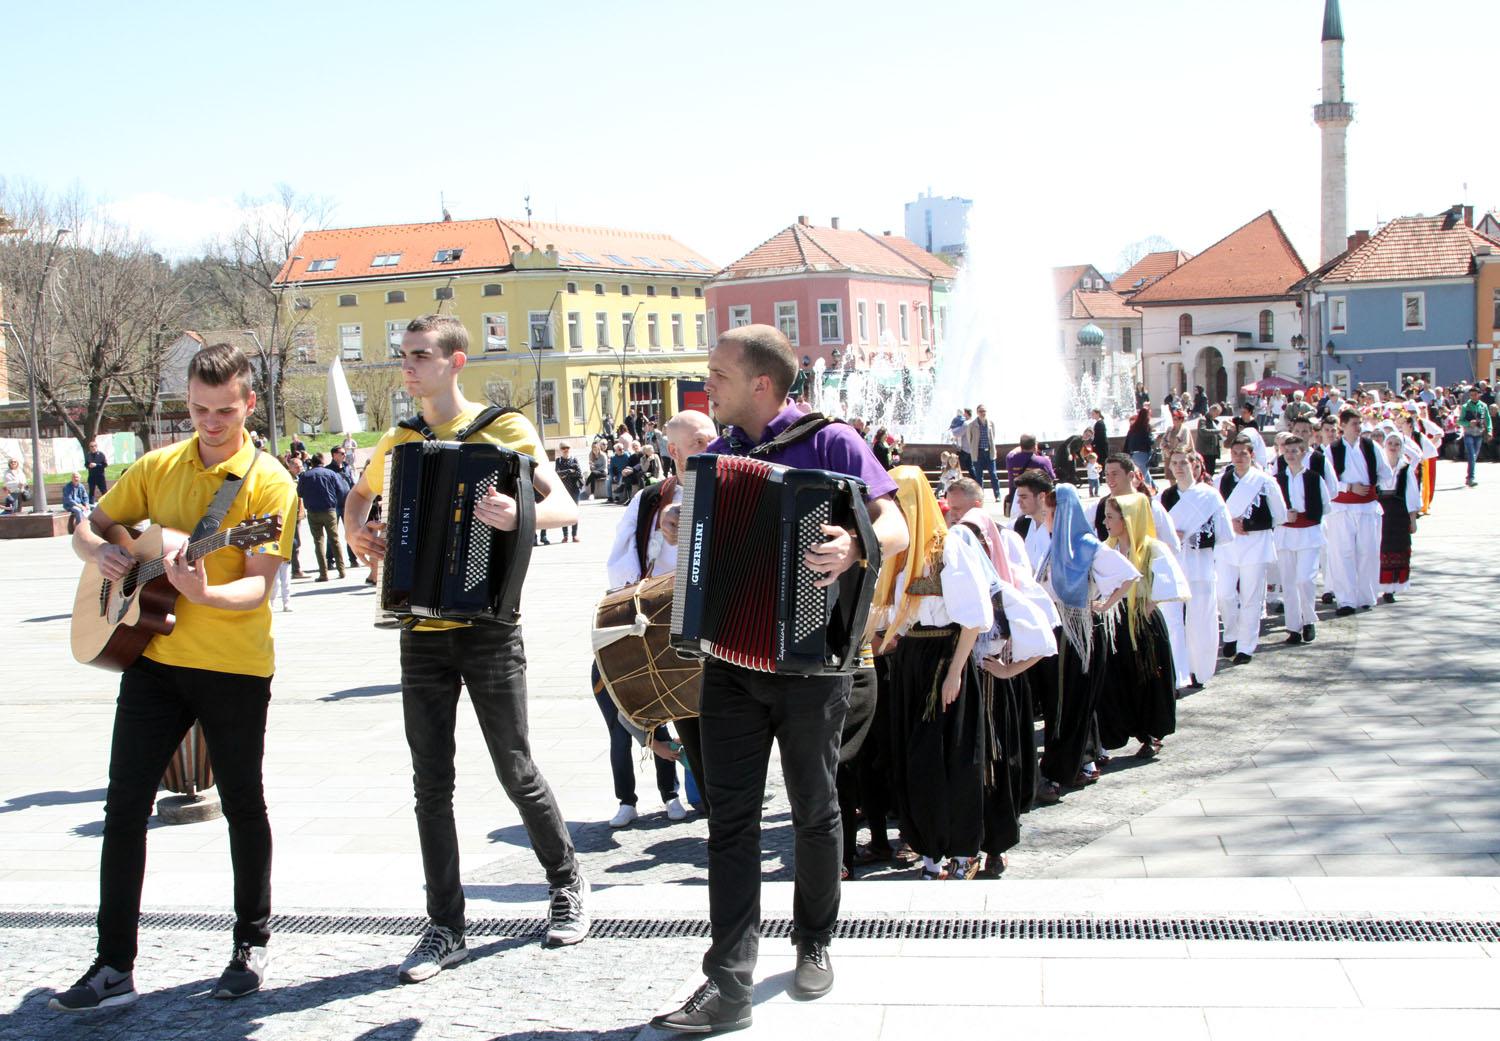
{"x":1254,"y":262}
{"x":803,"y":248}
{"x":486,"y":246}
{"x":1410,"y":248}
{"x":1065,"y":278}
{"x":1149,"y":269}
{"x":1081,"y":304}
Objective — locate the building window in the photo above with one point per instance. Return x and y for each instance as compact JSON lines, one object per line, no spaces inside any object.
{"x":351,"y":343}
{"x":700,"y":327}
{"x":601,"y":328}
{"x":677,"y":337}
{"x":903,"y":325}
{"x":830,"y":321}
{"x":881,"y":328}
{"x":386,"y":260}
{"x":443,"y":293}
{"x":862,"y":312}
{"x":1496,"y":322}
{"x":1414,"y":311}
{"x":494,"y":289}
{"x":942,"y":321}
{"x":575,"y":331}
{"x":698,"y":291}
{"x":676,"y":292}
{"x":650,"y":290}
{"x":1126,"y":344}
{"x":1184,"y":325}
{"x":624,"y":289}
{"x":1338,"y":314}
{"x":396,"y":296}
{"x":548,"y":397}
{"x":578,"y":405}
{"x":540,"y":323}
{"x":393,"y":333}
{"x":572,"y":287}
{"x":348,"y":300}
{"x":739,"y":316}
{"x":923,"y":326}
{"x":447,"y":256}
{"x":786,"y":320}
{"x":323,"y":264}
{"x":1267,"y":326}
{"x":598,"y":288}
{"x":496,"y":332}
{"x":653,"y":331}
{"x":627,"y":329}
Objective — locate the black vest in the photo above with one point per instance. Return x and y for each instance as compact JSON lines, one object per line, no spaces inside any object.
{"x":1023,"y":527}
{"x":1204,"y":538}
{"x":1367,"y":449}
{"x":1260,"y":514}
{"x":1312,"y":499}
{"x":650,"y":501}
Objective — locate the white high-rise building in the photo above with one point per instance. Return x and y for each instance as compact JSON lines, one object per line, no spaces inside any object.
{"x":939,"y":225}
{"x":1333,"y":115}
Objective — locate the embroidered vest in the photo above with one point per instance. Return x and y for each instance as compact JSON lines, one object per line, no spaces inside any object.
{"x":1260,"y":514}
{"x":1312,"y":499}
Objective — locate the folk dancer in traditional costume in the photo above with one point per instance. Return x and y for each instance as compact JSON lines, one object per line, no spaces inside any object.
{"x":1032,"y":501}
{"x":1256,"y":509}
{"x":1300,"y":541}
{"x":1354,"y":526}
{"x":1198,"y":518}
{"x":1142,"y":702}
{"x":932,"y":603}
{"x":1087,"y":580}
{"x":1430,"y":436}
{"x":1401,"y":502}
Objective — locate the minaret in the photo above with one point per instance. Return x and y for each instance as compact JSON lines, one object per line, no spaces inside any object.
{"x":1333,"y":116}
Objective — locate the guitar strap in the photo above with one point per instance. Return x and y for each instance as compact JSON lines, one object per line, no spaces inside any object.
{"x":223,"y":500}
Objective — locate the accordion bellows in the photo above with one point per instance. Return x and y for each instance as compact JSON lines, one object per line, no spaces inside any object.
{"x":742,"y":593}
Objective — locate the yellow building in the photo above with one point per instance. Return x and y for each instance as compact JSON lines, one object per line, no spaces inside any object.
{"x":570,"y":324}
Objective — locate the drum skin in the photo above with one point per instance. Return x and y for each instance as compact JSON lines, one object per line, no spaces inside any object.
{"x":645,"y":678}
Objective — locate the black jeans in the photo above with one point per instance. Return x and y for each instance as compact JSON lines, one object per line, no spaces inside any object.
{"x":157,"y":705}
{"x":490,"y":660}
{"x":622,"y":752}
{"x":743,"y":711}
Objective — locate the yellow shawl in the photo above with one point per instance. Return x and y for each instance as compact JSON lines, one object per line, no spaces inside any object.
{"x":924,"y":521}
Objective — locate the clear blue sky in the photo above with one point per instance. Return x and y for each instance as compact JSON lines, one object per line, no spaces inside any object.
{"x":721,"y":123}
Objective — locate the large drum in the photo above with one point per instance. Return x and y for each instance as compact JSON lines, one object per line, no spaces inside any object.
{"x":190,"y":771}
{"x":646,"y":679}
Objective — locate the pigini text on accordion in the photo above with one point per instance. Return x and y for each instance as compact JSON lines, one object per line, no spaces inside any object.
{"x":743,"y":592}
{"x":442,"y":561}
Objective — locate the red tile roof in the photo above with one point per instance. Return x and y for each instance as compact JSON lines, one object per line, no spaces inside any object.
{"x":486,"y":245}
{"x":1094,"y":305}
{"x":1149,"y":269}
{"x":803,"y":248}
{"x":1410,"y":248}
{"x":1065,"y":279}
{"x":1254,"y":262}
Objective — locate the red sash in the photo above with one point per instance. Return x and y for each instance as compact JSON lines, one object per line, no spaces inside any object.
{"x":1350,"y":497}
{"x":1302,"y":521}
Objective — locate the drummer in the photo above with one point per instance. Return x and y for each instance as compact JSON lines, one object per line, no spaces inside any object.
{"x":640,"y":551}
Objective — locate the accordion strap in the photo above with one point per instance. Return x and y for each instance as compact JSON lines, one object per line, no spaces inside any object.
{"x":484,"y":419}
{"x":801,"y":430}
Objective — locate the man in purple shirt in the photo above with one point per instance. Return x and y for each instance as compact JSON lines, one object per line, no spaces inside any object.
{"x":749,"y":373}
{"x":1020,"y":459}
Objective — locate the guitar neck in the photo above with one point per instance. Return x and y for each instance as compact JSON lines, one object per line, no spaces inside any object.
{"x":196,"y":550}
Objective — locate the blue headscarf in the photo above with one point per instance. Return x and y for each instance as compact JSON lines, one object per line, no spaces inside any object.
{"x":1074,"y":546}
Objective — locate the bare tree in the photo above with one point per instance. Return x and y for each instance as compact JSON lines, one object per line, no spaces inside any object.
{"x":1132,"y":254}
{"x":306,"y":398}
{"x":375,"y":384}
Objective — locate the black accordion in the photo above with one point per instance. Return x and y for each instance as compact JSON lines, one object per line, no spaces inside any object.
{"x":743,"y":594}
{"x":442,"y":561}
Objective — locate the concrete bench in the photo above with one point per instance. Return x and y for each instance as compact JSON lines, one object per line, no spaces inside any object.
{"x":35,"y":525}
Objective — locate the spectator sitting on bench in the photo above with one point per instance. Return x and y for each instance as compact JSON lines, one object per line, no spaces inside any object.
{"x":75,"y":500}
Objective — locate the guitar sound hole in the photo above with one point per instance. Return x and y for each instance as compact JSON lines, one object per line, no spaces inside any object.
{"x":127,"y":587}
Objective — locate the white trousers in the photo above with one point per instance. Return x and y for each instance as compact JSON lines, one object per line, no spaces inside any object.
{"x":1299,"y":586}
{"x":1172,"y":614}
{"x":1202,"y":623}
{"x":1354,"y":557}
{"x":283,"y":586}
{"x":1242,"y":600}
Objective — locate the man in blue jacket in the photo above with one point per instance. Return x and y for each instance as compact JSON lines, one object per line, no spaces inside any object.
{"x":322,"y":491}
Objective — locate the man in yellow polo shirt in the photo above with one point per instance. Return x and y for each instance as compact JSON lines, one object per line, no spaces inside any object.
{"x":489,"y":659}
{"x":214,"y":667}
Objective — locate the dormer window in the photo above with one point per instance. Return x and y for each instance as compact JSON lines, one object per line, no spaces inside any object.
{"x":447,"y":256}
{"x":386,"y":260}
{"x":324,"y":264}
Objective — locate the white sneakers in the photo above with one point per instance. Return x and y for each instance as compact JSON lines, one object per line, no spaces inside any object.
{"x":676,"y":811}
{"x":626,"y":814}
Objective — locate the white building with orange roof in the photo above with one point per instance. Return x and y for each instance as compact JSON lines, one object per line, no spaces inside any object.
{"x":573,"y":324}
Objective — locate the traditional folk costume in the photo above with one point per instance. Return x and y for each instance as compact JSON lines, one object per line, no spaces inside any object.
{"x":1355,"y":523}
{"x":1023,"y":631}
{"x":1199,"y":515}
{"x":1256,"y":502}
{"x":1079,"y":570}
{"x":1141,"y":702}
{"x":1400,"y":499}
{"x":1299,"y":545}
{"x":1037,"y":540}
{"x":939,"y":588}
{"x":1430,"y":438}
{"x":1172,"y":613}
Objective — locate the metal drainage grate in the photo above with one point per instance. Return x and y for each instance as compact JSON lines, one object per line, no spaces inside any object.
{"x":895,"y":927}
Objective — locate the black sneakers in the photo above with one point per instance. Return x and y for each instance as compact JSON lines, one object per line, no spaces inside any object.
{"x":1309,"y":633}
{"x":100,"y":987}
{"x":568,"y":918}
{"x":1242,"y":658}
{"x":814,"y":975}
{"x":438,"y":948}
{"x":706,"y":1012}
{"x":1229,"y":650}
{"x":245,"y":973}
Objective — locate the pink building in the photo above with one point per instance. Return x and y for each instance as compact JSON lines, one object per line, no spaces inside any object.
{"x":835,"y":293}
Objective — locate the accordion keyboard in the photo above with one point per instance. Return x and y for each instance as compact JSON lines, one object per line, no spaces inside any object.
{"x":810,"y":613}
{"x":477,"y":566}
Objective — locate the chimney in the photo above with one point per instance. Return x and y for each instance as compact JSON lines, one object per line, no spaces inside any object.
{"x":803,"y":221}
{"x":1358,"y":239}
{"x":1468,"y":216}
{"x":886,"y":234}
{"x":834,"y":223}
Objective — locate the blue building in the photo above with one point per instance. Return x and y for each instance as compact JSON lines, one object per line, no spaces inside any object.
{"x":1401,"y":304}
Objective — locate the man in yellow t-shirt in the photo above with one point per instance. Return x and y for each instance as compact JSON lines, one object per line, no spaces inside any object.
{"x":489,"y":659}
{"x":214,"y":667}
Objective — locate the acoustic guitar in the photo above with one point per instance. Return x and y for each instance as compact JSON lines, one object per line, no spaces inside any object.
{"x":114,"y":621}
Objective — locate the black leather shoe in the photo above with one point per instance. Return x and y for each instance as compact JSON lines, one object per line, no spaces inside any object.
{"x":814,"y":975}
{"x":1229,"y":650}
{"x":1326,"y":598}
{"x":1242,"y":659}
{"x":1389,"y":598}
{"x":1309,"y":633}
{"x":1293,"y":637}
{"x":706,"y":1012}
{"x":1344,"y":612}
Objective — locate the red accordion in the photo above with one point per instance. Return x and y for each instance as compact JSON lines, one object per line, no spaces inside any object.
{"x":743,"y":593}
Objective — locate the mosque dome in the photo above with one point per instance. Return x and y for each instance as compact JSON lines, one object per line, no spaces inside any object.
{"x":1091,"y":336}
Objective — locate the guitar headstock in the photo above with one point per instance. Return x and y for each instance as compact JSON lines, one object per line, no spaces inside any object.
{"x":256,"y":531}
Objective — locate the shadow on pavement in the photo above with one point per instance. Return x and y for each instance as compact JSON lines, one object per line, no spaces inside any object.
{"x":372,"y":691}
{"x":53,"y":798}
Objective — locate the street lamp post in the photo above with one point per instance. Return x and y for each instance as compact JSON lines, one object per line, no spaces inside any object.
{"x":38,"y":483}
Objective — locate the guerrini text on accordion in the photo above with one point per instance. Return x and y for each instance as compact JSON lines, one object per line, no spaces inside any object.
{"x":743,"y":593}
{"x":441,"y":560}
